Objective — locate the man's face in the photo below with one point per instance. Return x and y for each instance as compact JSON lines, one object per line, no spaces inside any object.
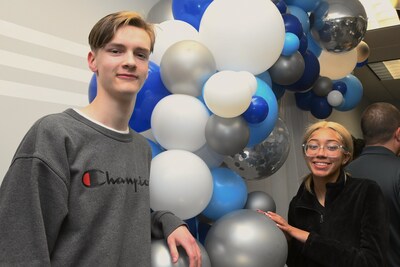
{"x":122,"y":65}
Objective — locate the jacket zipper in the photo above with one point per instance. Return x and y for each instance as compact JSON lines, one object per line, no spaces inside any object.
{"x":321,"y":216}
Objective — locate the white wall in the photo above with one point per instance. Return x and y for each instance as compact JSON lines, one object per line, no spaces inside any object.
{"x":43,"y":69}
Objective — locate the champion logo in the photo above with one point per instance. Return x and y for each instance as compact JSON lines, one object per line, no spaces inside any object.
{"x":97,"y":178}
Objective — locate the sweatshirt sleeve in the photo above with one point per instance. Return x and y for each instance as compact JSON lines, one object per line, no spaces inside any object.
{"x":373,"y":234}
{"x":33,"y":204}
{"x":163,"y":223}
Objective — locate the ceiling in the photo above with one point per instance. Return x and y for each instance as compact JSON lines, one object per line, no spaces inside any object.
{"x":384,"y":44}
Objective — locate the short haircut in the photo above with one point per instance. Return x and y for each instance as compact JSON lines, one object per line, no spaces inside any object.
{"x":104,"y":30}
{"x":379,"y":121}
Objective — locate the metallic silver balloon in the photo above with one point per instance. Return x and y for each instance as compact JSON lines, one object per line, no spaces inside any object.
{"x":265,"y":158}
{"x":246,"y":238}
{"x":287,"y":69}
{"x":339,"y":25}
{"x":186,"y":66}
{"x":227,"y":136}
{"x":259,"y":200}
{"x":161,"y":257}
{"x":160,"y":12}
{"x":322,"y":86}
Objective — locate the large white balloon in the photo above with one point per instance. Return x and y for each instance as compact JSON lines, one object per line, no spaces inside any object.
{"x":178,"y":122}
{"x":228,"y":93}
{"x":180,"y":182}
{"x":337,"y":65}
{"x":168,"y":33}
{"x":243,"y":35}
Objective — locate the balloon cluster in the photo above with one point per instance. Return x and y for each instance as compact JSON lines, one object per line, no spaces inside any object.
{"x":323,"y":44}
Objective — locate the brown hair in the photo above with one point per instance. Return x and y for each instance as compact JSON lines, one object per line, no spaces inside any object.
{"x":379,"y":121}
{"x":344,"y":136}
{"x":104,"y":30}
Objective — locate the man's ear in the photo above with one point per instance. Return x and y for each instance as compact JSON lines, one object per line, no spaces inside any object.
{"x":397,"y":134}
{"x":91,"y":58}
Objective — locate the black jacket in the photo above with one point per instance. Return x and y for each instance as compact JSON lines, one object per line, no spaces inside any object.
{"x":351,"y":230}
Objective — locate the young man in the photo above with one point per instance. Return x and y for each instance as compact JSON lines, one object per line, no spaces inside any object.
{"x":76,"y":193}
{"x":378,"y":161}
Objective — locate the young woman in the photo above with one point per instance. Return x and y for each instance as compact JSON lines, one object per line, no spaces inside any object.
{"x":334,"y":219}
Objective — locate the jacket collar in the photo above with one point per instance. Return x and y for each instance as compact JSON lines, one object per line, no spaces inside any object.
{"x":377,"y":150}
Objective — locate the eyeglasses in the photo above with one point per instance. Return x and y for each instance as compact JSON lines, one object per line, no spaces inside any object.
{"x":331,"y":150}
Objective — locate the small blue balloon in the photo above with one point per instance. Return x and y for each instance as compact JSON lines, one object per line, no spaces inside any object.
{"x":320,"y":107}
{"x":353,"y":93}
{"x":362,"y":63}
{"x":302,"y":16}
{"x":92,"y":88}
{"x":292,"y":24}
{"x":306,"y":5}
{"x":260,"y":131}
{"x":340,"y":86}
{"x":291,"y":44}
{"x":229,"y":193}
{"x":257,"y":111}
{"x":303,"y":44}
{"x":151,"y":93}
{"x":303,"y":100}
{"x":190,"y":11}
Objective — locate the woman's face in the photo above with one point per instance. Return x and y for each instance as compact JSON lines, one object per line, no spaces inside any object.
{"x":324,"y":154}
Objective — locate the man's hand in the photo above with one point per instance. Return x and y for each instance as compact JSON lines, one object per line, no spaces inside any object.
{"x":182,"y":237}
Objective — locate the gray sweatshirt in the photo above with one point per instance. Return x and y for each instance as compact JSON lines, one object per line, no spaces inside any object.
{"x":77,"y":194}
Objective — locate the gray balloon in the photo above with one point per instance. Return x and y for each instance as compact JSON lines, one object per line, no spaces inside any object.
{"x":322,"y":86}
{"x":259,"y":200}
{"x":186,"y":66}
{"x":263,"y":159}
{"x":161,"y":257}
{"x":287,"y":69}
{"x":246,"y":238}
{"x":339,"y":25}
{"x":227,"y":136}
{"x":160,"y":12}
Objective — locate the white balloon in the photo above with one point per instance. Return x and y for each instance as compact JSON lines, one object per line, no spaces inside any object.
{"x":335,"y":98}
{"x":168,"y":33}
{"x":227,"y":94}
{"x":178,"y":122}
{"x":250,"y":79}
{"x":243,"y":35}
{"x":337,"y":65}
{"x":180,"y":182}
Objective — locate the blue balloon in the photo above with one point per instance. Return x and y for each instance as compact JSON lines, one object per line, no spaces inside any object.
{"x":151,"y":93}
{"x":190,"y":11}
{"x":155,"y":148}
{"x":281,"y":5}
{"x":192,"y":224}
{"x":303,"y":44}
{"x":266,"y":77}
{"x":340,"y":86}
{"x":320,"y":107}
{"x":293,"y":25}
{"x":310,"y":74}
{"x":260,"y":131}
{"x":353,"y":93}
{"x":257,"y":111}
{"x":306,"y":5}
{"x":302,"y":16}
{"x":229,"y":193}
{"x":313,"y":46}
{"x":362,"y":63}
{"x":291,"y":44}
{"x":303,"y":100}
{"x":92,"y":88}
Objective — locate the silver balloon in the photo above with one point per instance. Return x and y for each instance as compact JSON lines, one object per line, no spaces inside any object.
{"x":322,"y":86}
{"x":161,"y":257}
{"x":186,"y":66}
{"x":227,"y":136}
{"x":287,"y":69}
{"x":339,"y":25}
{"x":265,"y":158}
{"x":246,"y":238}
{"x":259,"y":200}
{"x":160,"y":12}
